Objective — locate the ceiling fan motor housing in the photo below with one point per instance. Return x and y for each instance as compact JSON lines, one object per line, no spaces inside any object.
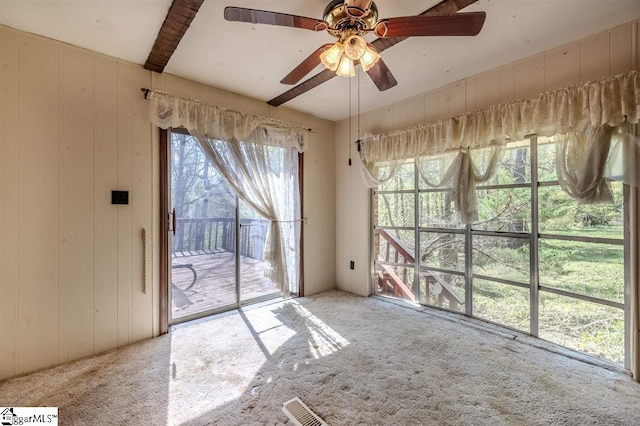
{"x":355,"y":20}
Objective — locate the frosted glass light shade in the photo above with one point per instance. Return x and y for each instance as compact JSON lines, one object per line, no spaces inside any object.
{"x":369,"y":59}
{"x":354,"y":47}
{"x":346,"y":68}
{"x":340,"y":57}
{"x":330,"y":58}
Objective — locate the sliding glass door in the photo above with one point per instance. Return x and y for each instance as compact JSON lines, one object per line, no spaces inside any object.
{"x":254,"y":268}
{"x":217,"y":244}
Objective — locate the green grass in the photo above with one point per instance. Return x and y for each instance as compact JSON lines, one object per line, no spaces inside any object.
{"x":502,"y":304}
{"x":590,"y":269}
{"x":587,"y":327}
{"x":591,"y":328}
{"x":595,"y":270}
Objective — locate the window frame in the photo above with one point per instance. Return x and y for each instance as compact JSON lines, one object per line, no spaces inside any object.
{"x":533,"y":236}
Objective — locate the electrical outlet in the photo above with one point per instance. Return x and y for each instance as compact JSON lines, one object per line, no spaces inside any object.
{"x":352,"y":265}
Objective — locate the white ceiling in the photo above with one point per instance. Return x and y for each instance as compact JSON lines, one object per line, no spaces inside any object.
{"x":252,"y":59}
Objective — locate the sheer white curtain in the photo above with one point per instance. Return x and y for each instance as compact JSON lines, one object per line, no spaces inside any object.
{"x":375,"y":174}
{"x":600,"y":105}
{"x":258,"y":157}
{"x":266,"y":178}
{"x":581,"y":160}
{"x":586,"y":162}
{"x":223,"y":124}
{"x":610,"y":101}
{"x":462,"y":176}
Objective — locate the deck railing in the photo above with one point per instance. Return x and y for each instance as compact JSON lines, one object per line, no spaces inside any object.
{"x":392,"y":283}
{"x":196,"y":236}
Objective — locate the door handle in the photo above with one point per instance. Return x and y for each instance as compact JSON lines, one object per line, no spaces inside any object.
{"x":173,"y":221}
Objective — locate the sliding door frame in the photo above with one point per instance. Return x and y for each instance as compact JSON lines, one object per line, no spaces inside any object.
{"x":164,"y":231}
{"x":165,"y":260}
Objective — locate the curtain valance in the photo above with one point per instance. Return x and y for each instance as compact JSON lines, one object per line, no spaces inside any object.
{"x":608,"y":101}
{"x":223,"y":124}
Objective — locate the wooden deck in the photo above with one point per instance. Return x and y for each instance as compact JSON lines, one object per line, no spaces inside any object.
{"x":215,"y":282}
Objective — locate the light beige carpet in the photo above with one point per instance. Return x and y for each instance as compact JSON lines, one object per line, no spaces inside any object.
{"x":352,"y":360}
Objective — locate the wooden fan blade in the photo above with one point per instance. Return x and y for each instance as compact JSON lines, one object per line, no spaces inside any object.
{"x":241,"y":14}
{"x":454,"y":24}
{"x":445,"y":6}
{"x":305,"y":66}
{"x":381,"y":76}
{"x":303,"y":87}
{"x":380,"y":44}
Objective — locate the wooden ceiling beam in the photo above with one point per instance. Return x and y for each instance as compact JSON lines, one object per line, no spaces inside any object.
{"x":179,"y":18}
{"x":381,"y":44}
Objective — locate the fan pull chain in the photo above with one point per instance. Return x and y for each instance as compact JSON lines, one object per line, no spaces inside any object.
{"x":349,"y":122}
{"x":358,"y":141}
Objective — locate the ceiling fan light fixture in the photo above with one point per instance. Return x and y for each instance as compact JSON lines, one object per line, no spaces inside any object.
{"x":346,"y":67}
{"x":330,"y":58}
{"x":354,"y":47}
{"x":351,"y":20}
{"x":369,"y":58}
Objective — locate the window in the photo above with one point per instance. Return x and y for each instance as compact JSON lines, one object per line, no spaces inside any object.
{"x":535,"y":260}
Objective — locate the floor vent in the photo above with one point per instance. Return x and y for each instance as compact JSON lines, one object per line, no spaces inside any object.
{"x":300,"y":414}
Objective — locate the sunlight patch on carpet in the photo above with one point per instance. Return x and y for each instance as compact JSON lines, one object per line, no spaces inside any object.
{"x":268,"y":328}
{"x":207,"y":358}
{"x":324,"y":340}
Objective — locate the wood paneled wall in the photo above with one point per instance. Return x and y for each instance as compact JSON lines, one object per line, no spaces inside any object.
{"x":71,"y":271}
{"x":73,"y":127}
{"x":609,"y":53}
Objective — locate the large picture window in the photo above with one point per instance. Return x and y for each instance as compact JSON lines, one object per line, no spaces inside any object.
{"x":534,"y":259}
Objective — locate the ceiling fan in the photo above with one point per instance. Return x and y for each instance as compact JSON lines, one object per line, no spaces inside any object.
{"x":349,"y":21}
